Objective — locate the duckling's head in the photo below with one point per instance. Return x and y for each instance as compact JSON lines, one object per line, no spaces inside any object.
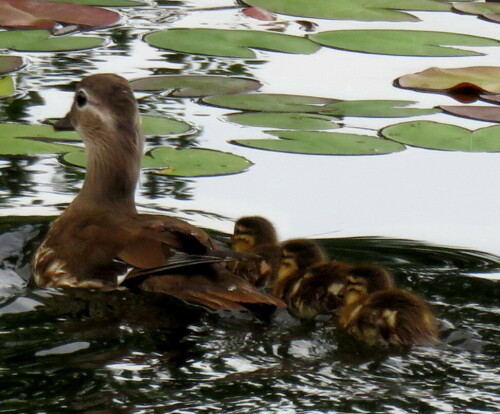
{"x":105,"y":114}
{"x":251,"y":232}
{"x":363,"y":280}
{"x":297,"y":256}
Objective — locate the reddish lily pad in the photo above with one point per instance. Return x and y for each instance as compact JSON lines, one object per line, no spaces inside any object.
{"x":42,"y":41}
{"x":491,"y":98}
{"x":195,"y":85}
{"x":436,"y":135}
{"x":482,"y":113}
{"x":259,"y":14}
{"x":229,"y":43}
{"x":465,"y":84}
{"x":270,"y":102}
{"x":10,"y":63}
{"x":42,"y":14}
{"x":402,"y":42}
{"x":490,"y":11}
{"x":106,"y":3}
{"x":382,"y":10}
{"x":323,"y":143}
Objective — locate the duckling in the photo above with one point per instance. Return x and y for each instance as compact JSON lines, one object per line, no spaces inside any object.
{"x":376,"y":313}
{"x":297,"y":257}
{"x":319,"y":290}
{"x":256,"y":235}
{"x":101,"y":241}
{"x":391,"y":317}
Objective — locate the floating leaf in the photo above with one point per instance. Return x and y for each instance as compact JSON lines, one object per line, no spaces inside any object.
{"x":42,"y":41}
{"x":10,"y":63}
{"x":490,"y":98}
{"x":490,"y":11}
{"x":159,"y":125}
{"x":323,"y":143}
{"x":42,"y":14}
{"x":259,"y":14}
{"x":472,"y":80}
{"x":482,"y":113}
{"x":269,"y":102}
{"x":105,"y":3}
{"x":230,"y":43}
{"x":376,"y":108}
{"x":45,"y":132}
{"x":194,"y":162}
{"x":285,"y":120}
{"x":402,"y":42}
{"x":383,"y":10}
{"x":435,"y":135}
{"x":6,"y":86}
{"x":194,"y":85}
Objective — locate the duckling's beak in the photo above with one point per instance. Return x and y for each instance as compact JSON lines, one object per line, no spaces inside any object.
{"x":64,"y":124}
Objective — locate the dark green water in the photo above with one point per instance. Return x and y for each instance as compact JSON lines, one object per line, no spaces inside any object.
{"x":84,"y":351}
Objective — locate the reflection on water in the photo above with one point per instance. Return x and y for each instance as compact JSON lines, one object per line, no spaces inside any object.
{"x":78,"y":350}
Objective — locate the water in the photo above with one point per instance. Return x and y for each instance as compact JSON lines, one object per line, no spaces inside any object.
{"x":66,"y":351}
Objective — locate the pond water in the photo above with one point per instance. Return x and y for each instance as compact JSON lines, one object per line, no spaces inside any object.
{"x":431,"y":217}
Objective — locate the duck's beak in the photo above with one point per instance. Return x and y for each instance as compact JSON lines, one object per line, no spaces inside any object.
{"x":64,"y":124}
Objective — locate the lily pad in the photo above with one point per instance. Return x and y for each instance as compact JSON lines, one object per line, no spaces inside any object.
{"x":10,"y":63}
{"x":322,"y":143}
{"x":42,"y":41}
{"x":229,"y":43}
{"x":41,"y":14}
{"x":376,"y":109}
{"x":105,"y":3}
{"x":158,"y":125}
{"x":268,"y":102}
{"x":6,"y":86}
{"x":435,"y":135}
{"x":402,"y":42}
{"x":18,"y":139}
{"x":284,"y":120}
{"x":194,"y":162}
{"x":195,"y":86}
{"x":490,"y":98}
{"x":482,"y":113}
{"x":490,"y":11}
{"x":375,"y":10}
{"x":480,"y":78}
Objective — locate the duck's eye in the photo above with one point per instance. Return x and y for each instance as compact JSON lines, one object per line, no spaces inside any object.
{"x":81,"y":99}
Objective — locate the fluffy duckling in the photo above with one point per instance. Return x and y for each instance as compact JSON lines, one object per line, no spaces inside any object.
{"x":256,"y":236}
{"x":376,"y":313}
{"x":297,"y":256}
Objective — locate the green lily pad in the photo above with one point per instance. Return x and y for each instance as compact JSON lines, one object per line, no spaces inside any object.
{"x":284,"y":120}
{"x":195,"y":162}
{"x":229,"y":43}
{"x":268,"y":102}
{"x":375,"y":10}
{"x":10,"y":63}
{"x":194,"y":85}
{"x":42,"y":41}
{"x":18,"y":139}
{"x":402,"y":42}
{"x":158,"y":125}
{"x":435,"y":135}
{"x":376,"y":109}
{"x":474,"y":80}
{"x":6,"y":86}
{"x":323,"y":143}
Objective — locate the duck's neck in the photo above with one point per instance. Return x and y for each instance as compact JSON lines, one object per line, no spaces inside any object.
{"x":111,"y":177}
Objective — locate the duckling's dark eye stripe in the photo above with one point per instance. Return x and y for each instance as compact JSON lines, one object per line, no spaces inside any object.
{"x":81,"y":99}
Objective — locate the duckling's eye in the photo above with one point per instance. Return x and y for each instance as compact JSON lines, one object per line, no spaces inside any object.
{"x":81,"y":99}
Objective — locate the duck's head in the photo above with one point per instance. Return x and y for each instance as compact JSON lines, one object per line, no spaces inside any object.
{"x":105,"y":114}
{"x":297,"y":256}
{"x":252,"y":232}
{"x":364,"y":279}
